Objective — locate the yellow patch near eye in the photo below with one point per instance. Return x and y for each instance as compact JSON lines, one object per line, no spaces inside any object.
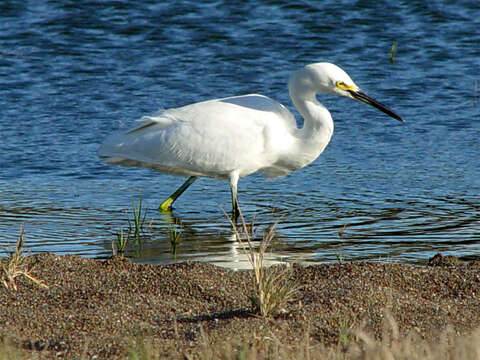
{"x":342,"y":86}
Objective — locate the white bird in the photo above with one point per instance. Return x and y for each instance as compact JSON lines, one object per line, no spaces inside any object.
{"x":237,"y":136}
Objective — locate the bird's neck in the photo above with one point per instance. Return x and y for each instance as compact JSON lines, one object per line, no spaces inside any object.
{"x":317,"y":122}
{"x":310,"y":140}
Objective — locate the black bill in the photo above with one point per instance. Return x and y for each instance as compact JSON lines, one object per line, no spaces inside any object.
{"x":360,"y":96}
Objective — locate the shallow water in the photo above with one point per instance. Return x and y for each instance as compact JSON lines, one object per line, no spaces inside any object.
{"x":72,"y":73}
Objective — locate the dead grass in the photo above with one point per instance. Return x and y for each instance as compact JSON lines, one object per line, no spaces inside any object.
{"x":449,"y":345}
{"x":363,"y":346}
{"x":273,"y":286}
{"x":16,"y":267}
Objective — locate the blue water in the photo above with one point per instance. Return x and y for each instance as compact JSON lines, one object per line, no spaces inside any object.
{"x":71,"y":72}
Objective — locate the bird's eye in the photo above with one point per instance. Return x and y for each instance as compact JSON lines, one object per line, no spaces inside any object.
{"x":344,"y":86}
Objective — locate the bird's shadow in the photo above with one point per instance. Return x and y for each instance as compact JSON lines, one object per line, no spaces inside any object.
{"x":226,"y":315}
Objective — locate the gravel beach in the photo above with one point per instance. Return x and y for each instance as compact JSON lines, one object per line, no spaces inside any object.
{"x":101,"y":308}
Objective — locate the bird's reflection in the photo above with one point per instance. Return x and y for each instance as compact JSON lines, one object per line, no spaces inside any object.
{"x":231,"y":247}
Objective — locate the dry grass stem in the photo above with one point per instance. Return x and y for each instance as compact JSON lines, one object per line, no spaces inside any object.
{"x":16,"y":266}
{"x":272,"y":285}
{"x":363,"y":346}
{"x":449,"y":346}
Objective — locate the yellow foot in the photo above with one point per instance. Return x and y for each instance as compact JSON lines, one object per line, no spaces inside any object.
{"x":166,"y":206}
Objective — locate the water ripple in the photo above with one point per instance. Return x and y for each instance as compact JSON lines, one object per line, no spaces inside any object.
{"x":73,"y":72}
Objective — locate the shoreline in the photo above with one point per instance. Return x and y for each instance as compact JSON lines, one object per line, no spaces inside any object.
{"x":99,"y":308}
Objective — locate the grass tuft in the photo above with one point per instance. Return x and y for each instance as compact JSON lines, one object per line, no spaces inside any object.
{"x":120,"y":243}
{"x":138,"y":220}
{"x":175,"y":237}
{"x":272,"y":285}
{"x":16,"y":266}
{"x":135,"y":229}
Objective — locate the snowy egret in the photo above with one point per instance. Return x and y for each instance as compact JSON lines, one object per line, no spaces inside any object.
{"x":237,"y":136}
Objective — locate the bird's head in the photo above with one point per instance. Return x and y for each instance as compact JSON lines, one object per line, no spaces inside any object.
{"x":328,"y":78}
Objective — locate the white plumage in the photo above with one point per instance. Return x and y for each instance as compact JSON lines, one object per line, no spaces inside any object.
{"x":237,"y":136}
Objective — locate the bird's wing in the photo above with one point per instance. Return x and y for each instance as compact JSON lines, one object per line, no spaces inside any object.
{"x":144,"y":123}
{"x":211,"y":138}
{"x":123,"y":147}
{"x":263,"y":104}
{"x":159,"y":120}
